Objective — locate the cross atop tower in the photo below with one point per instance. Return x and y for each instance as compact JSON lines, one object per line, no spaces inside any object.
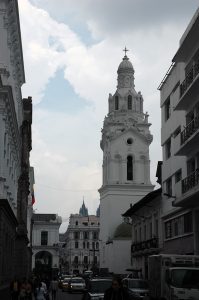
{"x":125,"y":50}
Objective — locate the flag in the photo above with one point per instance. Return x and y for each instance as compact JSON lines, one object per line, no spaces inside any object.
{"x":33,"y":197}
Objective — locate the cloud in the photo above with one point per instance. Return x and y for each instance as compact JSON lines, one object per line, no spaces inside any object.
{"x":66,"y":153}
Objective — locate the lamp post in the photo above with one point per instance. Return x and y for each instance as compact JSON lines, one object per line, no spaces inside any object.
{"x":94,"y":251}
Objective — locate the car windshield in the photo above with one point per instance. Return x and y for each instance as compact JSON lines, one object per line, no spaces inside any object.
{"x":66,"y":279}
{"x":99,"y":286}
{"x":185,"y":278}
{"x":77,"y":281}
{"x":138,"y":284}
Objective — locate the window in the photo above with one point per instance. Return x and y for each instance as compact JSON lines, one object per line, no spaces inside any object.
{"x":130,"y":102}
{"x":76,"y":223}
{"x":178,"y":176}
{"x":179,"y":226}
{"x":116,"y":102}
{"x":129,"y":167}
{"x":97,"y":245}
{"x":168,"y":148}
{"x":95,"y":260}
{"x":87,"y":245}
{"x":140,"y":234}
{"x":85,"y":223}
{"x":167,"y":108}
{"x":93,"y":245}
{"x":145,"y":233}
{"x":76,"y":235}
{"x":85,"y":259}
{"x":156,"y":227}
{"x":188,"y":223}
{"x":169,"y":186}
{"x":76,"y":245}
{"x":190,"y":166}
{"x":84,"y":245}
{"x":76,"y":259}
{"x":150,"y":230}
{"x":85,"y":235}
{"x":129,"y":141}
{"x":44,"y":238}
{"x":95,"y":235}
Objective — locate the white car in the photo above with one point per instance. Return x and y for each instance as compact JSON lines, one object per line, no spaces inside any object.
{"x":76,"y":284}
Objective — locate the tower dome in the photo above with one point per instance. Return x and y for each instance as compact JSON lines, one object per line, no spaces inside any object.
{"x":125,"y":73}
{"x":125,"y":65}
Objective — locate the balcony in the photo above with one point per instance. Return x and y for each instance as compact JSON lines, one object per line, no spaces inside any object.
{"x":189,"y":138}
{"x":189,"y":88}
{"x":190,"y":191}
{"x":148,"y":246}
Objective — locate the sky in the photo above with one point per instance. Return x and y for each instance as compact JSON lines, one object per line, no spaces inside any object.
{"x":72,"y":49}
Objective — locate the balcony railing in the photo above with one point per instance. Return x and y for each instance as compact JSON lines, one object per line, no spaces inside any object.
{"x":191,"y":75}
{"x":190,"y":181}
{"x":190,"y":129}
{"x":148,"y":244}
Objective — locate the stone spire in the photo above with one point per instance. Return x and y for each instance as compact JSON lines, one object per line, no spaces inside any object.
{"x":83,"y":211}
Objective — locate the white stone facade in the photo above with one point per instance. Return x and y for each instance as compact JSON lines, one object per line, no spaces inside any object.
{"x":11,"y":78}
{"x":126,"y":166}
{"x":45,"y":238}
{"x":82,"y":244}
{"x":180,"y":140}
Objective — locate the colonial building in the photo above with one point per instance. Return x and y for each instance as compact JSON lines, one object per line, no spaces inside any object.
{"x":126,"y":166}
{"x":145,"y":219}
{"x":15,"y":141}
{"x":180,"y":140}
{"x":45,"y":244}
{"x":82,"y":242}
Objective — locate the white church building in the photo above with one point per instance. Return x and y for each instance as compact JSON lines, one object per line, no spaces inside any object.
{"x":126,"y":168}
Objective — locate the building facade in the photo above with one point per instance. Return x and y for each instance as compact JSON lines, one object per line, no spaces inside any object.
{"x":45,"y":244}
{"x":15,"y":141}
{"x":180,"y":140}
{"x":126,"y":166}
{"x":82,"y":243}
{"x":145,"y":219}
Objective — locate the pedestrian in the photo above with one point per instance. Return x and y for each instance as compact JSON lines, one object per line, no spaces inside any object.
{"x":116,"y":291}
{"x":14,"y":289}
{"x":40,"y":292}
{"x":54,"y":288}
{"x":29,"y":290}
{"x":22,"y":292}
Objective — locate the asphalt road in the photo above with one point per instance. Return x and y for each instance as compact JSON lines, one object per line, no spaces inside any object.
{"x":66,"y":296}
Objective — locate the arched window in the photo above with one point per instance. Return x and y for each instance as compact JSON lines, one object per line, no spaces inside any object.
{"x":116,"y":102}
{"x":130,"y":102}
{"x":129,"y":167}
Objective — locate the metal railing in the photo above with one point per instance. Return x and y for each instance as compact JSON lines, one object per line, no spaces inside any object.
{"x":191,"y":75}
{"x":190,"y":181}
{"x":190,"y":129}
{"x":148,"y":244}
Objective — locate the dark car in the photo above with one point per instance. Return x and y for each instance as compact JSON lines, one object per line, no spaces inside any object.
{"x":96,"y":288}
{"x":138,"y":288}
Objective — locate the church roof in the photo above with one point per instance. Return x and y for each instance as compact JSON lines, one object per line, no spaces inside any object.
{"x":146,"y":199}
{"x":123,"y":231}
{"x":125,"y":65}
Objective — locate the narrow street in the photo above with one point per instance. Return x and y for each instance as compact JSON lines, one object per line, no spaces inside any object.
{"x":67,"y":296}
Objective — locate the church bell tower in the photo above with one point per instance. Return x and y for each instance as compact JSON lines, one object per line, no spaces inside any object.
{"x":126,"y":166}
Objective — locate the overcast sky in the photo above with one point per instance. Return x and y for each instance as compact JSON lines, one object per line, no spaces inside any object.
{"x":72,"y":49}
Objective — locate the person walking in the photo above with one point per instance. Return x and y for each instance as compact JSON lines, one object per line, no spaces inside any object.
{"x":54,"y":288}
{"x":116,"y":291}
{"x":14,"y":289}
{"x":40,"y":292}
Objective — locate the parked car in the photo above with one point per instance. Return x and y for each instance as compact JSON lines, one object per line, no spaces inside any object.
{"x":96,"y":288}
{"x":65,"y":284}
{"x":138,"y":288}
{"x":76,"y":284}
